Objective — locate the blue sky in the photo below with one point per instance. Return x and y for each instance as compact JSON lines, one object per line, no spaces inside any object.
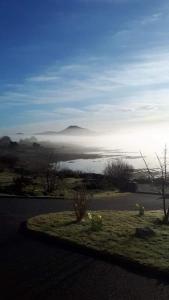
{"x":102,"y":64}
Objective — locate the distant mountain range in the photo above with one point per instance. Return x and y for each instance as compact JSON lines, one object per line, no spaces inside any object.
{"x":70,"y":130}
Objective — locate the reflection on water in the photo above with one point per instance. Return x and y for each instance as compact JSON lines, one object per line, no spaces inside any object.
{"x":98,"y":165}
{"x":87,"y":165}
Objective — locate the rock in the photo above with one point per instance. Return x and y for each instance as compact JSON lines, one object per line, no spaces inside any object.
{"x":144,"y":232}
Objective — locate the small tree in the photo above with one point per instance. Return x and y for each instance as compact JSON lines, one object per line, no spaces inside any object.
{"x":118,"y":174}
{"x":46,"y":168}
{"x":19,"y":184}
{"x":49,"y":176}
{"x":162,"y":180}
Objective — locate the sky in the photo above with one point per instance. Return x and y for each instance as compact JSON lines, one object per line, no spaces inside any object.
{"x":100,"y":64}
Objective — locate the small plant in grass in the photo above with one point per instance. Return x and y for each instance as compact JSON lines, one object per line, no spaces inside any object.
{"x":140,"y":209}
{"x":80,"y":202}
{"x":96,"y":221}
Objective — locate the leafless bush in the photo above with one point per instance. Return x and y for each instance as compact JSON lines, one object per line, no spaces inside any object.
{"x":118,"y":174}
{"x":80,"y":203}
{"x":162,"y":181}
{"x":46,"y":169}
{"x":19,"y":184}
{"x":49,"y":177}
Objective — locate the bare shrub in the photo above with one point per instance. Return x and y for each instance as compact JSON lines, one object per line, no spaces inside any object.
{"x":161,"y":182}
{"x":49,"y":176}
{"x":118,"y":174}
{"x":20,"y":183}
{"x":80,"y":203}
{"x":46,"y":168}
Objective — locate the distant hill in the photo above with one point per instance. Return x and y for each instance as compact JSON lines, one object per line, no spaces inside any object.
{"x":70,"y":130}
{"x":47,"y":133}
{"x":76,"y":130}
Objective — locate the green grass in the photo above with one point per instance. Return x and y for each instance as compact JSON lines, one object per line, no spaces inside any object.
{"x":108,"y":195}
{"x":65,"y":188}
{"x":116,"y":237}
{"x":6,"y":177}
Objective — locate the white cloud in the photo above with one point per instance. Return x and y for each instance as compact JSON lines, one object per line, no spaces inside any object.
{"x":135,"y":91}
{"x":107,"y":1}
{"x":43,"y":78}
{"x":151,"y":19}
{"x":90,"y":81}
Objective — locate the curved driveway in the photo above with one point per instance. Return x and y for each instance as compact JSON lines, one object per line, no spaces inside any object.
{"x":32,"y":270}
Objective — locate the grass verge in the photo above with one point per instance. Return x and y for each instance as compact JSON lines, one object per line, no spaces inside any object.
{"x":116,"y":239}
{"x":109,"y":195}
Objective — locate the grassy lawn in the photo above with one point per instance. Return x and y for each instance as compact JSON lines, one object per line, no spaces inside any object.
{"x":117,"y":235}
{"x":108,"y":195}
{"x":6,"y":177}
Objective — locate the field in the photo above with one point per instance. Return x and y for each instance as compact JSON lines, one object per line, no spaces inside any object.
{"x":65,"y":188}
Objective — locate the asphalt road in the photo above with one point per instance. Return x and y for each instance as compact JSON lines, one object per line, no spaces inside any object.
{"x":31,"y":269}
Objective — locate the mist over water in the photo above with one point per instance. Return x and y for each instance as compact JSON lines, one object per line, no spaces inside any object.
{"x":126,"y":146}
{"x":123,"y":146}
